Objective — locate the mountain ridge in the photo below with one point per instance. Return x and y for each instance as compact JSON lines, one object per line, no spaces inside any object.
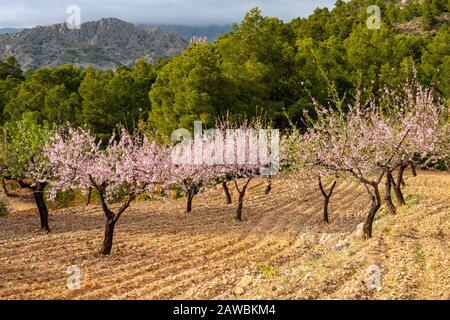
{"x":212,"y":32}
{"x":106,"y":43}
{"x":10,"y":30}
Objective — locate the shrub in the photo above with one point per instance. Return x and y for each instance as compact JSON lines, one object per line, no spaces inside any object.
{"x":65,"y":198}
{"x":68,"y":198}
{"x":3,"y":208}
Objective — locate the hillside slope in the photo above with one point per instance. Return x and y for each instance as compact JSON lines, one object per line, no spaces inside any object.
{"x":280,"y":251}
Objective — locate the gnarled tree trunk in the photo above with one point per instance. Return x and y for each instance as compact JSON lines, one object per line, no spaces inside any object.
{"x":388,"y":197}
{"x":38,"y":194}
{"x":111,"y":217}
{"x":239,"y":207}
{"x":190,"y":197}
{"x":88,"y":201}
{"x":268,"y":185}
{"x":108,"y":238}
{"x":241,"y":198}
{"x":398,"y":186}
{"x":413,"y":169}
{"x":375,"y":206}
{"x":227,"y":192}
{"x":326,"y":199}
{"x":193,"y":190}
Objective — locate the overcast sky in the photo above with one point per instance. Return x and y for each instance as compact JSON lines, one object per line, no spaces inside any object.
{"x":29,"y":13}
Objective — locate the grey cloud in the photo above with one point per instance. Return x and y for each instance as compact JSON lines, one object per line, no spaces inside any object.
{"x":26,"y":13}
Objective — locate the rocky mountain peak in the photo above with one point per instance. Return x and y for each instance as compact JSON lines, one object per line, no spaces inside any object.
{"x":108,"y":42}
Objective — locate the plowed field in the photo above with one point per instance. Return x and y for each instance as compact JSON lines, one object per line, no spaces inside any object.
{"x":281,"y":250}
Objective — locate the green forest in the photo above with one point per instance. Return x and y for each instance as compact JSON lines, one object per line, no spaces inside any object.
{"x":264,"y":65}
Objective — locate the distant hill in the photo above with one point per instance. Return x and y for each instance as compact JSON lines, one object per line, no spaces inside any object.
{"x":187,"y":32}
{"x":9,"y":30}
{"x":212,"y":32}
{"x":105,"y":44}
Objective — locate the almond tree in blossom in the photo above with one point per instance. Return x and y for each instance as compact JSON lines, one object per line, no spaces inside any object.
{"x":194,"y":162}
{"x":128,"y":164}
{"x":440,"y":158}
{"x":359,"y":143}
{"x":246,"y":155}
{"x":223,"y":180}
{"x":24,"y":160}
{"x":300,"y":160}
{"x":247,"y":174}
{"x":373,"y":140}
{"x":443,"y":150}
{"x":413,"y":107}
{"x":194,"y":178}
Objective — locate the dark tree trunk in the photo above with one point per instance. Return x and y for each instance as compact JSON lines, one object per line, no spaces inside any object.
{"x":399,"y":195}
{"x":326,"y":199}
{"x":193,"y":190}
{"x":38,"y":194}
{"x":413,"y":169}
{"x":190,"y":197}
{"x":326,"y":202}
{"x":398,"y":186}
{"x":240,"y":206}
{"x":388,"y":197}
{"x":241,"y":198}
{"x":268,"y":185}
{"x":227,"y":192}
{"x":376,"y":203}
{"x":88,"y":201}
{"x":109,"y":234}
{"x":111,"y":217}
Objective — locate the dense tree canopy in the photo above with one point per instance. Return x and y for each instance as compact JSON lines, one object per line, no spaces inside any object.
{"x":258,"y":57}
{"x":190,"y":87}
{"x":264,"y":65}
